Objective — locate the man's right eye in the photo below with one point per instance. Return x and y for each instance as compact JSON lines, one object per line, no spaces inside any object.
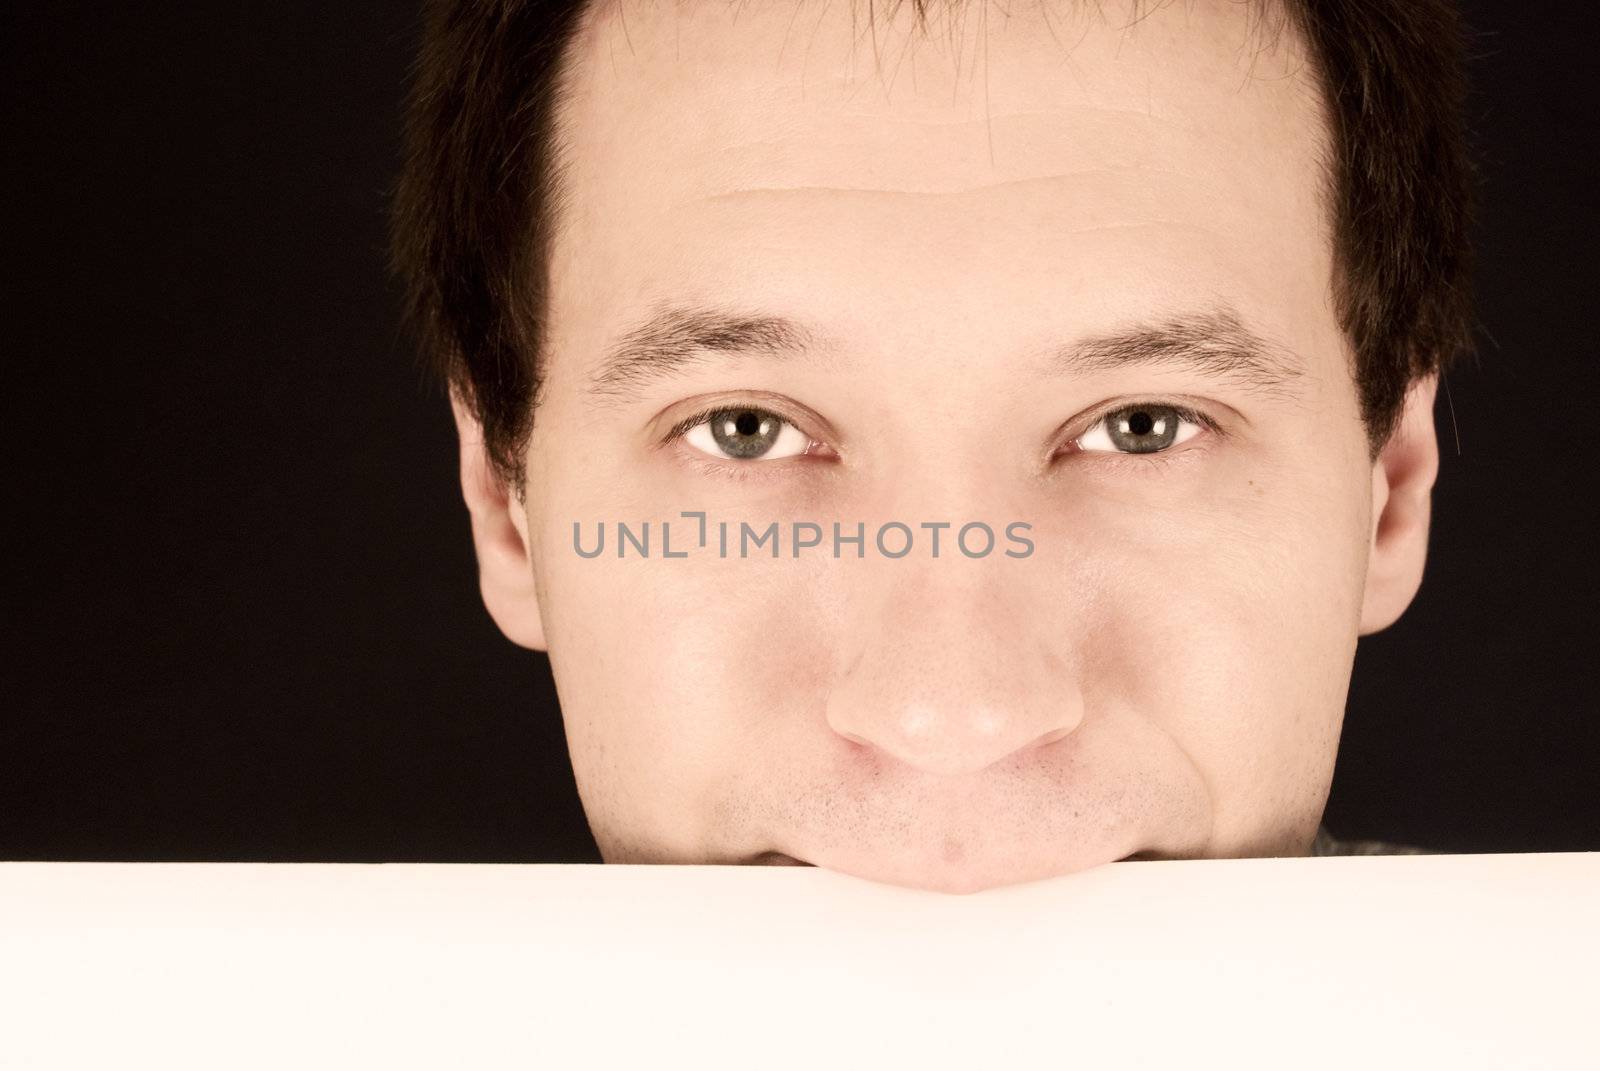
{"x":746,"y":434}
{"x":1143,"y":428}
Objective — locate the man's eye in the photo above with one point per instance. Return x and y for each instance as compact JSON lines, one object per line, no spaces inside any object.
{"x":745,"y":435}
{"x":1145,"y":428}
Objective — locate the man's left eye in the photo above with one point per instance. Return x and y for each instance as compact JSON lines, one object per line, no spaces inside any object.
{"x":1145,"y":428}
{"x":746,"y":435}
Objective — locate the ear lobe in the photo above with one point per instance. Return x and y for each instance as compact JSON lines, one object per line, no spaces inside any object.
{"x":500,"y":537}
{"x":1402,"y":504}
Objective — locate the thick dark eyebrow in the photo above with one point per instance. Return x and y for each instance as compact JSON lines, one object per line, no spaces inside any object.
{"x":675,"y":337}
{"x":1214,"y":344}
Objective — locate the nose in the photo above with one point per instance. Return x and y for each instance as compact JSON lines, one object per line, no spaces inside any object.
{"x":950,"y":670}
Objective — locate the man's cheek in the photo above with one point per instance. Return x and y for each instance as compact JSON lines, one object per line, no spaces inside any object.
{"x":675,"y":665}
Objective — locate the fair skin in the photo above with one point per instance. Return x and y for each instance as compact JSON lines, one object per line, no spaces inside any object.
{"x":1166,"y":674}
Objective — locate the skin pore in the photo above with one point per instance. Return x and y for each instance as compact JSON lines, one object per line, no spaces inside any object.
{"x":948,"y":264}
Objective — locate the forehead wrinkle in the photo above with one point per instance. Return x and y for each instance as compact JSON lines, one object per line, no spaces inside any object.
{"x":1002,"y":184}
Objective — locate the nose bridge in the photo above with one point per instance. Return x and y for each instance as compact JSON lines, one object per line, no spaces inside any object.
{"x":948,"y":671}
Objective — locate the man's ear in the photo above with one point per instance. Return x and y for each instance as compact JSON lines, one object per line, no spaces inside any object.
{"x":500,"y":534}
{"x":1402,"y":505}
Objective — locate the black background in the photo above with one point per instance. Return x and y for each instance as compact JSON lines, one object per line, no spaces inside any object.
{"x":241,"y":607}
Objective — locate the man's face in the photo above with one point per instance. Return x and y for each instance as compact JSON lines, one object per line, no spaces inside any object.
{"x":993,"y":245}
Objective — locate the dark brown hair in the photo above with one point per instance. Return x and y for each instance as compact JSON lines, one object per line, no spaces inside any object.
{"x":481,"y":190}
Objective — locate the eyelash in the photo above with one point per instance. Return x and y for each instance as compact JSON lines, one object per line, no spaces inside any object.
{"x":682,"y":427}
{"x":1159,"y":457}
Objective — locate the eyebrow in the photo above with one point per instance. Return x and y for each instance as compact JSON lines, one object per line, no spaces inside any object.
{"x":676,"y":337}
{"x":1214,"y":344}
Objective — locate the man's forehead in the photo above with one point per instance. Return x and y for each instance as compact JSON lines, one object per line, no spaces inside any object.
{"x":823,"y":93}
{"x":737,"y":143}
{"x":669,"y":106}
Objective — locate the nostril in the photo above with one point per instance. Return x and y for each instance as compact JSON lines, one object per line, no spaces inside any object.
{"x":1058,"y":734}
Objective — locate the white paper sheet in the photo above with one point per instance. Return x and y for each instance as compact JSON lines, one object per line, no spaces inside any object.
{"x":1403,"y":961}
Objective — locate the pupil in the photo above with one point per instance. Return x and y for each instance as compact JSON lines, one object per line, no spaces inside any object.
{"x":1140,"y":423}
{"x":747,"y":423}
